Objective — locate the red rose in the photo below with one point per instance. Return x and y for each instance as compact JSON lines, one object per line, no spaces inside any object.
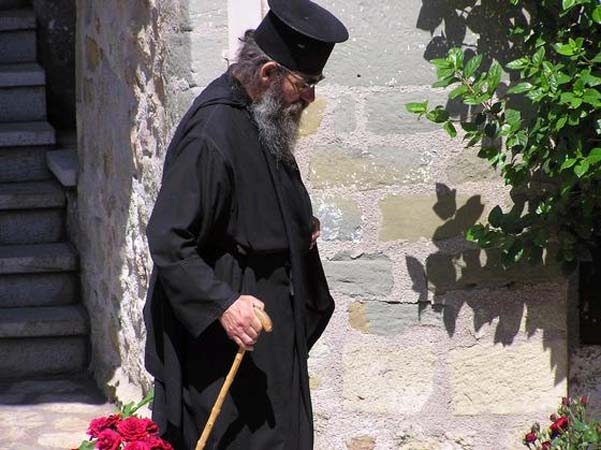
{"x":553,"y":417}
{"x":151,"y":428}
{"x":584,"y":400}
{"x":158,"y":444}
{"x":138,"y":445}
{"x":565,"y":401}
{"x":133,"y":429}
{"x":530,"y":437}
{"x":562,"y":423}
{"x":546,"y":445}
{"x":102,"y":423}
{"x":108,"y":440}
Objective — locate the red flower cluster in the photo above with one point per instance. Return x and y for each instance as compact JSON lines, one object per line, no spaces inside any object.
{"x":130,"y":433}
{"x":559,"y":426}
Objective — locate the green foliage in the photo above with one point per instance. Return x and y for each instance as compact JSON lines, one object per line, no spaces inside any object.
{"x":570,"y":428}
{"x":543,"y":134}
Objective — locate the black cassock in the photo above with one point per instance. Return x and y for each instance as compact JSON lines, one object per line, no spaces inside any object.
{"x":229,"y":220}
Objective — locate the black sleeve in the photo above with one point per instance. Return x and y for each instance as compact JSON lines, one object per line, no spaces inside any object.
{"x":195,"y":198}
{"x":319,"y":304}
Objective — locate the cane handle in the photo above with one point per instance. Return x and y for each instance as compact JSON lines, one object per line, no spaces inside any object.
{"x":264,"y":319}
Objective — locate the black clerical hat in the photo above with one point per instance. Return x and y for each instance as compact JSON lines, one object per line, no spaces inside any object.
{"x":300,"y":35}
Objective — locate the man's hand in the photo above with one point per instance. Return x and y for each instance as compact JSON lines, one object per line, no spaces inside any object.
{"x":241,"y":323}
{"x":316,"y":231}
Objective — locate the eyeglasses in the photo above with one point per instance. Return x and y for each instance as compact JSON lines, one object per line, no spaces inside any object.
{"x":305,"y":84}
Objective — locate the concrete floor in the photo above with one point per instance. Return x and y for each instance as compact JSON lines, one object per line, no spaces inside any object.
{"x":48,"y":414}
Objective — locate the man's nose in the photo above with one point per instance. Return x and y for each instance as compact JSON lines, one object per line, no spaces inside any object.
{"x":308,"y":95}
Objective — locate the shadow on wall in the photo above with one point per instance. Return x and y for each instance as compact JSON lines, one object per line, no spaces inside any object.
{"x":476,"y":277}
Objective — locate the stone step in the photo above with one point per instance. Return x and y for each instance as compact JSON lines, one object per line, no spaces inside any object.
{"x":38,"y":289}
{"x":32,"y":226}
{"x":31,"y":195}
{"x":17,"y":19}
{"x":64,"y":165}
{"x":20,"y":134}
{"x":18,"y":46}
{"x":43,"y":356}
{"x":21,"y":74}
{"x":22,"y":103}
{"x":14,"y":4}
{"x":24,"y":164}
{"x":43,"y":321}
{"x":40,"y":258}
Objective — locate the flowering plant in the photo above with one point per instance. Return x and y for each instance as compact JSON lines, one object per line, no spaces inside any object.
{"x":570,"y":429}
{"x":124,"y":431}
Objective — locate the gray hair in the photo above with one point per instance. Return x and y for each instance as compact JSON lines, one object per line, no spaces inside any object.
{"x":249,"y":60}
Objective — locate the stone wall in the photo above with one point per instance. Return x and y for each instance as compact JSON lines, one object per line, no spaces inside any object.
{"x":432,"y":345}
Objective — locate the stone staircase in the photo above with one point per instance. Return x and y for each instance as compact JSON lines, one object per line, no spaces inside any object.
{"x":43,"y":329}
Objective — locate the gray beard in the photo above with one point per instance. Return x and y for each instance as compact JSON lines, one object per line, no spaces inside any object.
{"x":277,"y":123}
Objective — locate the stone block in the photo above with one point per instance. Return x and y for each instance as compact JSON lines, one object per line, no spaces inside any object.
{"x":45,"y":194}
{"x":345,"y":114}
{"x":366,"y":169}
{"x":22,"y":104}
{"x":340,"y":218}
{"x":483,"y":269}
{"x":17,"y":47}
{"x":17,"y":19}
{"x":387,"y":114}
{"x":388,"y":27}
{"x":312,"y":117}
{"x":26,"y":134}
{"x":43,"y":289}
{"x":29,"y":74}
{"x":437,"y":217}
{"x":42,"y":258}
{"x":69,"y":320}
{"x":361,"y":443}
{"x":23,"y":164}
{"x":208,"y":40}
{"x":366,"y":276}
{"x":35,"y":357}
{"x":387,"y":379}
{"x":523,"y":378}
{"x":389,"y":319}
{"x":64,"y":165}
{"x":467,"y":167}
{"x":34,"y":226}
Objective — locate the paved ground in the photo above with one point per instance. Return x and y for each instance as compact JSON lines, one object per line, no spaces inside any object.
{"x":48,"y":414}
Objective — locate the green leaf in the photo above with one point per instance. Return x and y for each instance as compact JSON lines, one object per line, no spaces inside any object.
{"x":87,"y":445}
{"x":469,"y":126}
{"x":455,"y":57}
{"x":598,"y":126}
{"x":450,"y":128}
{"x":561,"y":122}
{"x":494,"y":77}
{"x":592,"y":97}
{"x":567,"y":164}
{"x":539,"y":56}
{"x":438,"y":115}
{"x":518,"y":64}
{"x":513,"y":118}
{"x":417,"y":107}
{"x":520,"y":88}
{"x":441,"y":63}
{"x":581,"y":169}
{"x":567,"y":4}
{"x":444,"y":82}
{"x":472,"y":65}
{"x":594,"y":156}
{"x":495,"y":218}
{"x":564,"y":49}
{"x":597,"y":58}
{"x":597,"y":14}
{"x":458,"y":91}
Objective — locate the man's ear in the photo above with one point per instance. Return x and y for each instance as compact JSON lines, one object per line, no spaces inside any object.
{"x":267,"y":73}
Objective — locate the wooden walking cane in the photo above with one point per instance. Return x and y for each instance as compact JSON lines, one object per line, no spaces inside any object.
{"x":204,"y":437}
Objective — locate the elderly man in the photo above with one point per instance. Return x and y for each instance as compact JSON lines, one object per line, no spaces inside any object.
{"x":232,"y":230}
